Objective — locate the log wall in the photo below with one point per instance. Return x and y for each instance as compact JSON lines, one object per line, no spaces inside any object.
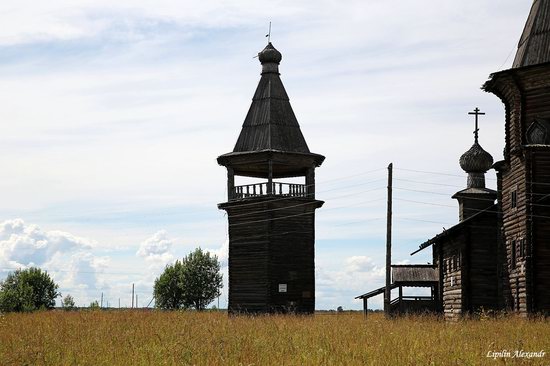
{"x":538,"y":247}
{"x":482,"y":263}
{"x":451,"y":268}
{"x":525,"y":228}
{"x":271,"y":254}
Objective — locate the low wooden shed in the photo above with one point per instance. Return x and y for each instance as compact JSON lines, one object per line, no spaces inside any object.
{"x":410,"y":275}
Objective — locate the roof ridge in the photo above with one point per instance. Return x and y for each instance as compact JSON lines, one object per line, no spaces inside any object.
{"x":533,"y":44}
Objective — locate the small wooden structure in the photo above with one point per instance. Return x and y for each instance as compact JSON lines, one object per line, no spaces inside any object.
{"x":467,"y":255}
{"x":410,"y":275}
{"x":271,"y":223}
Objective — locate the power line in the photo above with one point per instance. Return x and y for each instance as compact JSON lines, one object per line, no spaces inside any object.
{"x":420,"y":220}
{"x":438,"y":173}
{"x":299,"y":204}
{"x":446,"y":194}
{"x":242,"y":239}
{"x":470,"y":209}
{"x":456,"y":175}
{"x":430,"y":183}
{"x":284,"y":198}
{"x":303,"y":214}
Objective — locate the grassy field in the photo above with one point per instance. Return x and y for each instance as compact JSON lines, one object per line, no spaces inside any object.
{"x":185,"y":338}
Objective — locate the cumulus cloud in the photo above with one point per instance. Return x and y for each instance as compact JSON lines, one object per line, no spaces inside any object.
{"x":156,"y":249}
{"x":360,"y":263}
{"x":85,"y":267}
{"x":23,"y":245}
{"x":68,"y":258}
{"x":357,"y":274}
{"x":222,"y":253}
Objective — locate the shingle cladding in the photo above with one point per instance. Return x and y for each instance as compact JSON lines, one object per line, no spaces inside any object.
{"x":534,"y":45}
{"x":271,"y":123}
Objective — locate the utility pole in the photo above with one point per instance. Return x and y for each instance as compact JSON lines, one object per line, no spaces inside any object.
{"x":136,"y":301}
{"x":387,"y":292}
{"x":132,"y":295}
{"x":101,"y":306}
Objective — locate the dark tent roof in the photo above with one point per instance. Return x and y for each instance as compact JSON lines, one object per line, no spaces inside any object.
{"x":534,"y":45}
{"x":270,"y":123}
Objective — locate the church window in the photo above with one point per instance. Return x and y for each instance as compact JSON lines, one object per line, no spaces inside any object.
{"x":514,"y":198}
{"x":513,"y":253}
{"x":522,"y":247}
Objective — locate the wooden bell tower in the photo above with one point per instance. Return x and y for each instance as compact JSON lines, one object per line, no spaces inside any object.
{"x":271,"y":222}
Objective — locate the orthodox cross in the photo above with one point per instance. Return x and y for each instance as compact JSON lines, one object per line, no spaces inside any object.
{"x":268,"y":35}
{"x":476,"y":113}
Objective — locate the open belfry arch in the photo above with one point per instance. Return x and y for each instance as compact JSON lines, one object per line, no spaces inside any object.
{"x":271,"y":222}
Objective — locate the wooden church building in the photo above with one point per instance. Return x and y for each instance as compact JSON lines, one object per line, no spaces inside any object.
{"x":271,"y":222}
{"x":498,"y":256}
{"x":468,"y":255}
{"x":524,"y":175}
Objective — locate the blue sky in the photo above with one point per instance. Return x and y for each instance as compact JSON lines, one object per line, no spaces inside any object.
{"x":112,"y":116}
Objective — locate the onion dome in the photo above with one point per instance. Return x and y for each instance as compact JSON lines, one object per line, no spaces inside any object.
{"x":270,"y":55}
{"x":476,"y":160}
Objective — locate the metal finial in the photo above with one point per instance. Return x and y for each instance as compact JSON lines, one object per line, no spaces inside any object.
{"x":476,"y":113}
{"x":268,"y":35}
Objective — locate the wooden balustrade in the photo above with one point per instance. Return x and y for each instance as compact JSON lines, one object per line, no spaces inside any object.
{"x":262,"y":189}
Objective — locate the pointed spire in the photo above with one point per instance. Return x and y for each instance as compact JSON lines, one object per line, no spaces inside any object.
{"x":270,"y":123}
{"x":533,"y":46}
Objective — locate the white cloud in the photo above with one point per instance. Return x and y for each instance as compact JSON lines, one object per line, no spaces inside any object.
{"x":68,"y":258}
{"x":339,"y":283}
{"x":156,"y":249}
{"x":24,"y":245}
{"x":222,"y":253}
{"x":360,"y":263}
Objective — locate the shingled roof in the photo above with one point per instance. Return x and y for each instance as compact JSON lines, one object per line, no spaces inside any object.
{"x":534,"y":45}
{"x":270,"y":123}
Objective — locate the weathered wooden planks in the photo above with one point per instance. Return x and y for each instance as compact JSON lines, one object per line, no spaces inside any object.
{"x":271,"y":243}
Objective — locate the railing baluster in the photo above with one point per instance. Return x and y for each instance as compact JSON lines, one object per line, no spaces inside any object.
{"x":276,"y":188}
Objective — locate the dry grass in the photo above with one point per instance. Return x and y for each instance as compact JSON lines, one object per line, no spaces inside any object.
{"x":182,"y":338}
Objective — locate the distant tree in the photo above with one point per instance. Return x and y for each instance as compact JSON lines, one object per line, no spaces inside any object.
{"x":192,"y":283}
{"x":68,"y":302}
{"x":94,"y":305}
{"x":27,"y":290}
{"x":340,"y":309}
{"x":168,"y":290}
